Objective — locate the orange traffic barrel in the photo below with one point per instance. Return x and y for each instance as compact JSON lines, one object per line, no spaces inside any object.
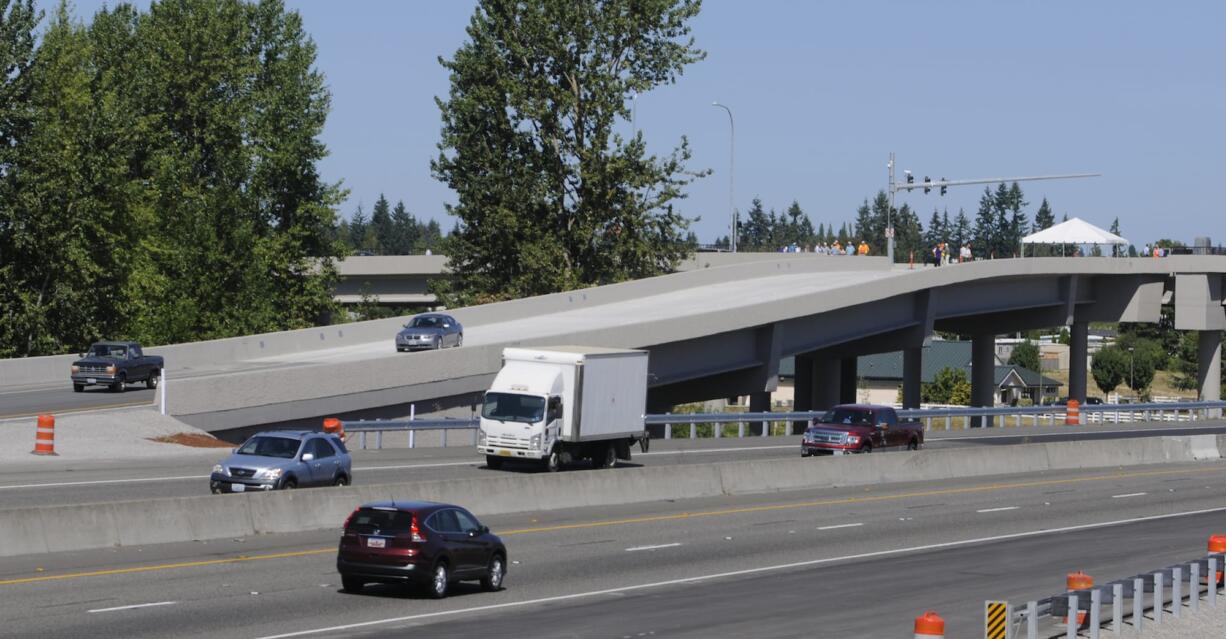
{"x":1078,"y":581}
{"x":333,"y":426}
{"x":929,"y":625}
{"x":1072,"y":413}
{"x":1217,"y":544}
{"x":44,"y":437}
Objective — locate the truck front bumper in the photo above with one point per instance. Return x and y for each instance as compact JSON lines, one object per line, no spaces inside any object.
{"x":510,"y":453}
{"x":93,"y":379}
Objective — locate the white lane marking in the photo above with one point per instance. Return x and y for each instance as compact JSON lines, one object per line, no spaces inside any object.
{"x":738,"y":573}
{"x":147,"y":605}
{"x":935,"y":436}
{"x":408,"y":466}
{"x":656,"y":547}
{"x":996,"y":510}
{"x":839,"y":526}
{"x":1128,"y":495}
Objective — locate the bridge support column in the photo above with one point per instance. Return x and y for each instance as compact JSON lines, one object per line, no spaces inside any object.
{"x":827,"y":373}
{"x":847,"y":380}
{"x":912,"y":376}
{"x":802,"y":389}
{"x":759,"y":402}
{"x":1209,"y":359}
{"x":1078,"y":354}
{"x":983,"y":375}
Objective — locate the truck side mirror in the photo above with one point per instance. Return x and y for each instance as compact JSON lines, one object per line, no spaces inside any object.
{"x":883,"y":426}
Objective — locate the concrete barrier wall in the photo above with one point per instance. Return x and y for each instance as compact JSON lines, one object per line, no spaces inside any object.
{"x":59,"y":528}
{"x":213,"y":353}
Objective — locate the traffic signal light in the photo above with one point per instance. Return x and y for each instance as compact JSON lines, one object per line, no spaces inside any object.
{"x":910,"y":178}
{"x":944,"y":187}
{"x":927,"y":189}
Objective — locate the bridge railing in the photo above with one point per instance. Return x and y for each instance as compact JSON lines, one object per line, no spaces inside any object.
{"x":786,"y":423}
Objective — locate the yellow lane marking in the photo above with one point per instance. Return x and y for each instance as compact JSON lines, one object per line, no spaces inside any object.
{"x":185,"y":564}
{"x":646,"y":519}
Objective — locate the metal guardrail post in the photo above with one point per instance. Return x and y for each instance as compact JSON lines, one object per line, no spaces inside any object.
{"x":1159,"y":599}
{"x":949,"y":420}
{"x":693,"y":431}
{"x":363,"y":440}
{"x":1117,"y":608}
{"x":1211,"y":581}
{"x":1194,"y":587}
{"x":1070,"y":622}
{"x":718,"y":429}
{"x":740,"y":430}
{"x":1176,"y":591}
{"x":1032,"y":620}
{"x":379,"y":440}
{"x":1138,"y":603}
{"x":668,"y":431}
{"x":444,"y":438}
{"x":1096,"y":605}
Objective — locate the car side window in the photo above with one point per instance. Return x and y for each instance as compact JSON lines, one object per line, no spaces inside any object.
{"x":444,"y":521}
{"x":891,"y":417}
{"x":322,"y":448}
{"x":467,"y":522}
{"x":136,"y":352}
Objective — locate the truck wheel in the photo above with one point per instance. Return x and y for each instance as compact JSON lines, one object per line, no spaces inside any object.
{"x":120,"y":384}
{"x":866,"y":448}
{"x":553,"y":463}
{"x":493,"y":462}
{"x":913,"y":444}
{"x":152,"y":382}
{"x":608,"y":457}
{"x":78,"y":388}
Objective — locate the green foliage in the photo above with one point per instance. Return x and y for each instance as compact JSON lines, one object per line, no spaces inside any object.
{"x":396,"y":232}
{"x":163,"y":186}
{"x":1025,"y":355}
{"x":1184,"y":361}
{"x":549,"y":197}
{"x":1109,"y":368}
{"x":949,"y":386}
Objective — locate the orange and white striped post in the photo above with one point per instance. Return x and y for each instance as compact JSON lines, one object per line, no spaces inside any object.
{"x":1078,"y":581}
{"x":333,"y":426}
{"x":44,"y":437}
{"x":1217,"y":544}
{"x":929,"y":625}
{"x":1072,"y":413}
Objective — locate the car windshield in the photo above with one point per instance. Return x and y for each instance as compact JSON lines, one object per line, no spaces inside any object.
{"x":108,"y":350}
{"x":428,"y":321}
{"x":848,"y":416}
{"x":282,"y":447}
{"x":371,"y":520}
{"x":509,"y":407}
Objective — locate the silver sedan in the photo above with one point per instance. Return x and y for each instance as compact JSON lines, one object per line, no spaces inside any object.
{"x":429,"y":332}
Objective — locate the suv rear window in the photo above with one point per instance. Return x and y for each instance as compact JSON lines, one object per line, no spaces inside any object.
{"x":369,"y":520}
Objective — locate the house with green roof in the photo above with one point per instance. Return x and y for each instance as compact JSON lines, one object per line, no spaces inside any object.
{"x":879,"y":376}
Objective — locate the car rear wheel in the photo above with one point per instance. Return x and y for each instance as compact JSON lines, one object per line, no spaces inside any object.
{"x":351,"y":584}
{"x":152,"y":382}
{"x":459,"y":340}
{"x":493,"y":575}
{"x":438,"y":585}
{"x":341,"y":480}
{"x":78,"y":388}
{"x":493,"y":462}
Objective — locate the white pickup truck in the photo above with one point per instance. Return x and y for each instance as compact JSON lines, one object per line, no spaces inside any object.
{"x":559,"y":404}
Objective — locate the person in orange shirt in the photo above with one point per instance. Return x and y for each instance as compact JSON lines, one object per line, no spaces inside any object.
{"x":863,"y":248}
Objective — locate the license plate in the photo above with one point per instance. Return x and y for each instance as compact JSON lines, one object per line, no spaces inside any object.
{"x":504,"y":453}
{"x":375,"y":542}
{"x":839,"y":452}
{"x":92,"y":380}
{"x":238,"y":488}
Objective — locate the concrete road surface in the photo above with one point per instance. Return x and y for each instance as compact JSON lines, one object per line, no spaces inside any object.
{"x":41,"y":483}
{"x":818,"y":563}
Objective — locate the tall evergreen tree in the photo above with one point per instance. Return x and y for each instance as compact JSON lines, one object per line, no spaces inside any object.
{"x":985,"y":226}
{"x":549,"y":196}
{"x":407,"y":230}
{"x":936,"y":232}
{"x":1018,"y":224}
{"x":756,"y":228}
{"x":1115,"y":228}
{"x":1043,"y":219}
{"x":961,"y":233}
{"x":381,"y":222}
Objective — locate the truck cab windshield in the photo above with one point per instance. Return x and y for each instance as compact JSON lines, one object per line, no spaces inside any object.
{"x":109,"y":350}
{"x":509,"y":407}
{"x":848,"y":416}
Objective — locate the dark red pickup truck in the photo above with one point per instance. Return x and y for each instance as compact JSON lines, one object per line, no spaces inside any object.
{"x":859,"y":428}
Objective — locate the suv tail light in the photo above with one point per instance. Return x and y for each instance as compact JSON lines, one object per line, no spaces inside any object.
{"x":415,"y":531}
{"x":349,"y":519}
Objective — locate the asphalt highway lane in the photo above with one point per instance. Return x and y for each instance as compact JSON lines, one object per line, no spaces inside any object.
{"x":101,"y":481}
{"x":829,"y":563}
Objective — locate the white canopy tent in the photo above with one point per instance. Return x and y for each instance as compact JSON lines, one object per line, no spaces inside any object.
{"x":1074,"y":231}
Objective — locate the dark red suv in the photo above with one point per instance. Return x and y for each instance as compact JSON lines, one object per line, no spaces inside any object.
{"x":419,"y":543}
{"x":859,"y":428}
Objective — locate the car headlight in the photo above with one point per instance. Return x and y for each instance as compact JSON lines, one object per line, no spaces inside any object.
{"x":853,"y":439}
{"x":269,"y":473}
{"x":221,"y":470}
{"x":75,"y":369}
{"x":110,"y":370}
{"x":534,"y":442}
{"x":480,"y":437}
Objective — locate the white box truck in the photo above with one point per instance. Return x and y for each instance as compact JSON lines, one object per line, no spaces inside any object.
{"x":559,"y":404}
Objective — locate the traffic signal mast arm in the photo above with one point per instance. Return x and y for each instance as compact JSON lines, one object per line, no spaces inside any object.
{"x":911,"y":186}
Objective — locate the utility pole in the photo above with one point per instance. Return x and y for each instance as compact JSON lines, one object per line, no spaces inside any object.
{"x":943,"y":184}
{"x":731,"y":178}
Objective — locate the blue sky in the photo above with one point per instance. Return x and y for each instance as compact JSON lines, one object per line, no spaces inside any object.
{"x":822,"y":92}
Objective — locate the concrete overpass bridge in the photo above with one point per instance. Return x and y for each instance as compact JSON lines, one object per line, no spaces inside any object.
{"x":713,"y":332}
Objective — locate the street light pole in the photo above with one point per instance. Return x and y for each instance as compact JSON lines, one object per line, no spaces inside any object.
{"x":1131,"y":358}
{"x":731,"y":177}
